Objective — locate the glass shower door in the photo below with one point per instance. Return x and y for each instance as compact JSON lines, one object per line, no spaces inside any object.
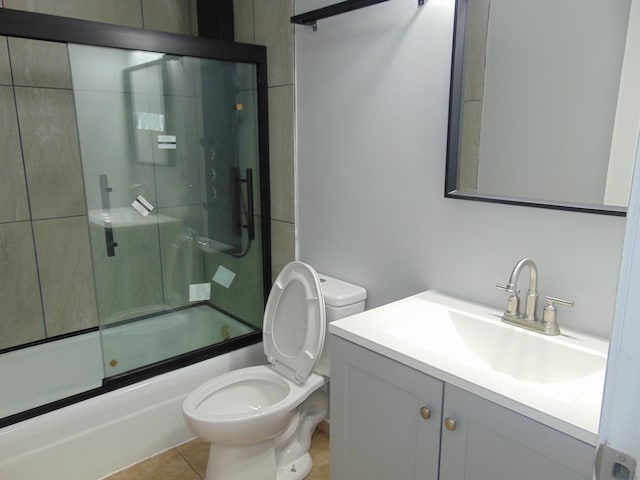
{"x":169,"y":148}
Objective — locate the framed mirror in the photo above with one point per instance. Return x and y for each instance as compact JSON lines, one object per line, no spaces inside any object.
{"x":534,"y":93}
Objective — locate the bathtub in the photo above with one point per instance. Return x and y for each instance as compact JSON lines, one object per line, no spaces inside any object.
{"x":43,"y":373}
{"x":96,"y":437}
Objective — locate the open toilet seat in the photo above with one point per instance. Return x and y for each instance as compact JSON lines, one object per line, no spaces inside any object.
{"x":294,"y":322}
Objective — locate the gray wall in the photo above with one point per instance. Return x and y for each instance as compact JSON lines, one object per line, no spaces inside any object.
{"x":372,"y":97}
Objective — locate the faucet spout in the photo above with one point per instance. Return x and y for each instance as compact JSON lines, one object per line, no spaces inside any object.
{"x":532,"y":294}
{"x":528,"y":319}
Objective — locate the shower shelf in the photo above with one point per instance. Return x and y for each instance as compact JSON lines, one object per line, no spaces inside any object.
{"x":311,"y":18}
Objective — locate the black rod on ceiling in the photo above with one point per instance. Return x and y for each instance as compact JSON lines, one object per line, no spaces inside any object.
{"x":311,"y":18}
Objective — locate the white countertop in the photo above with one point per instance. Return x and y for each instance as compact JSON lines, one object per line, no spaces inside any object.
{"x":557,"y":381}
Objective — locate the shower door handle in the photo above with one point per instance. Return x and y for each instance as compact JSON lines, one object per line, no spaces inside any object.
{"x":251,"y":226}
{"x":111,"y":245}
{"x":105,"y":190}
{"x":250,"y":223}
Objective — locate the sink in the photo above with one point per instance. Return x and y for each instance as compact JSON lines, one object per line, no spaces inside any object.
{"x":525,"y":355}
{"x":477,"y":337}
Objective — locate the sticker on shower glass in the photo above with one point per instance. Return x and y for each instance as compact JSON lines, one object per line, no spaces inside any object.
{"x":199,"y":292}
{"x":167,"y":142}
{"x":224,"y":277}
{"x":141,"y":204}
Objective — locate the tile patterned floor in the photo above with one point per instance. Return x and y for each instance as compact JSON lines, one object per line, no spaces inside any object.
{"x":189,"y":462}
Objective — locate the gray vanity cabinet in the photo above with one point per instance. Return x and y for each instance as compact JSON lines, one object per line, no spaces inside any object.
{"x":378,"y":431}
{"x":490,"y":442}
{"x":377,"y":427}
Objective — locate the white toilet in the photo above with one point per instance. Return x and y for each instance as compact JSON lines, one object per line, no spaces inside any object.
{"x":259,"y":420}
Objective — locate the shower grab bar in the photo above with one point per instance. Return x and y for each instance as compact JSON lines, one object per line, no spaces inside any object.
{"x":311,"y":18}
{"x":105,"y":190}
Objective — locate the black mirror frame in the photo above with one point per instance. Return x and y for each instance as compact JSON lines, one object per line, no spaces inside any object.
{"x":453,"y":135}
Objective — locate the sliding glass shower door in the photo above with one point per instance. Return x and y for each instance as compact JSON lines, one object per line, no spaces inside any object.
{"x":169,"y":148}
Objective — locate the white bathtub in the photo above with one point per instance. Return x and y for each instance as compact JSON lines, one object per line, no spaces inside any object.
{"x":96,"y":437}
{"x":47,"y":372}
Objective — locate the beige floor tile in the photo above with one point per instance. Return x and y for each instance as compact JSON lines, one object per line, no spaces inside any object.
{"x":189,"y":462}
{"x":196,"y":453}
{"x":320,"y":454}
{"x":169,"y":465}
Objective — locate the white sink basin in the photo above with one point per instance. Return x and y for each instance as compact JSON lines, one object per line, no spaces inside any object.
{"x":481,"y":339}
{"x":525,"y":355}
{"x":548,"y":378}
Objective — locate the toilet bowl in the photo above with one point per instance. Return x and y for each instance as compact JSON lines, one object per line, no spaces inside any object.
{"x":246,"y":406}
{"x":259,"y":420}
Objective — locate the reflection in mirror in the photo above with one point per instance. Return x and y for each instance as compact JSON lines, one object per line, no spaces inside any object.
{"x":533,"y":102}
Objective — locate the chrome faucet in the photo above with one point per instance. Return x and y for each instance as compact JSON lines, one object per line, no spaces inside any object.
{"x":529,"y":319}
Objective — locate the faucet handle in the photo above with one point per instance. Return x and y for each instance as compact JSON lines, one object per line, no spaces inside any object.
{"x":509,"y":288}
{"x":513,"y":303}
{"x":549,"y":321}
{"x":552,"y":301}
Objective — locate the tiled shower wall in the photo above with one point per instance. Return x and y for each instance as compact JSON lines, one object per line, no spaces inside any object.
{"x":267,"y":22}
{"x":46,"y":284}
{"x":46,"y":287}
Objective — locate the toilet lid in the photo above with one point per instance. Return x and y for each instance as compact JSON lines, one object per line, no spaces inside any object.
{"x":294,"y":322}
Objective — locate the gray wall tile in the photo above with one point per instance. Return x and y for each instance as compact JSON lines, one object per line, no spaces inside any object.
{"x":39,"y":64}
{"x":167,"y":16}
{"x":243,"y":23}
{"x":244,"y":297}
{"x":194,"y":17}
{"x":281,"y":134}
{"x":470,"y":146}
{"x":478,"y":19}
{"x":51,"y":154}
{"x":14,"y":204}
{"x":283,"y":246}
{"x":121,"y":12}
{"x":5,"y":68}
{"x":66,"y":276}
{"x":129,"y":284}
{"x":273,"y":28}
{"x":21,"y":320}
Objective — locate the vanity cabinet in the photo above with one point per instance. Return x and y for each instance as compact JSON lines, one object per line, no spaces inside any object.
{"x":490,"y":442}
{"x":385,"y":417}
{"x":390,"y":421}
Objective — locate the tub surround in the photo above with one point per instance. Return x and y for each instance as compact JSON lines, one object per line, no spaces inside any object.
{"x":104,"y":434}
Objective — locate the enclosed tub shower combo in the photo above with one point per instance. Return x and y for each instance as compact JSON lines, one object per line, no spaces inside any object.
{"x":135,"y":239}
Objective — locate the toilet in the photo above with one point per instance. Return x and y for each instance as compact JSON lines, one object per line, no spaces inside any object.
{"x":259,"y":420}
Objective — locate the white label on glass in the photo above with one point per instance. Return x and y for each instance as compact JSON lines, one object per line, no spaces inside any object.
{"x":199,"y":292}
{"x":224,"y":277}
{"x":167,"y":142}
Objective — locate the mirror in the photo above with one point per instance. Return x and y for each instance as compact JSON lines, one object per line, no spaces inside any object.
{"x":534,"y":92}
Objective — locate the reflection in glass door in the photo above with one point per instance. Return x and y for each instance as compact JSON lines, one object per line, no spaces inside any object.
{"x":169,"y":148}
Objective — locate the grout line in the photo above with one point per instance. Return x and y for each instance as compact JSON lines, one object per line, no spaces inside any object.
{"x":177,"y":449}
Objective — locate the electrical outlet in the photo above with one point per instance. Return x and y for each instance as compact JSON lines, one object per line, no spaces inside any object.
{"x":614,"y":465}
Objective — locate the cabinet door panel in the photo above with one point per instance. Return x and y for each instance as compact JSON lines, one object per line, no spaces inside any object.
{"x":377,"y":431}
{"x":494,"y":443}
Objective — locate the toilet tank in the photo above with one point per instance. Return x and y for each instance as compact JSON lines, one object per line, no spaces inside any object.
{"x":341,"y":299}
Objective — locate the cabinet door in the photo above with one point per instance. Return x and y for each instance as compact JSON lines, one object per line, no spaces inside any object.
{"x":377,"y":427}
{"x":493,"y":443}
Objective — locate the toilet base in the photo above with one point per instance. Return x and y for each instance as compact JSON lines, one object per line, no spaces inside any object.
{"x":254,"y":462}
{"x":296,"y":470}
